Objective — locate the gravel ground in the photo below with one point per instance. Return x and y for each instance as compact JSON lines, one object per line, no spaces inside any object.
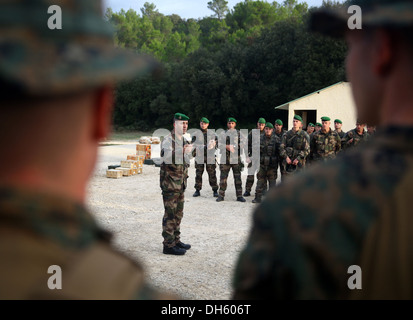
{"x":132,"y":208}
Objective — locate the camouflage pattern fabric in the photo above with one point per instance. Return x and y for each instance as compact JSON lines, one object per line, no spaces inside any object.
{"x":236,"y":171}
{"x":35,"y":60}
{"x":208,"y":162}
{"x":280,"y":159}
{"x":295,"y":145}
{"x":357,"y":138}
{"x":250,"y":177}
{"x":353,"y":210}
{"x":211,"y":170}
{"x":40,"y":230}
{"x":324,"y":145}
{"x":173,"y":182}
{"x":269,"y":157}
{"x":341,"y":134}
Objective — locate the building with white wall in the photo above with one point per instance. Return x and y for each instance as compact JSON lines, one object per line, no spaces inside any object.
{"x":335,"y":101}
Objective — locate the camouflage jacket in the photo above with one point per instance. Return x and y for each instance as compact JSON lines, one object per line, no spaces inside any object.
{"x":354,"y":210}
{"x":295,"y":145}
{"x":174,"y":164}
{"x":39,"y":230}
{"x":234,"y":138}
{"x":201,"y":140}
{"x":269,"y":150}
{"x":357,"y":138}
{"x":341,"y":134}
{"x":324,"y":146}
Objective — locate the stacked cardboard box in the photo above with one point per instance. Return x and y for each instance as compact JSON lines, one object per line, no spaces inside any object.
{"x":143,"y":150}
{"x":131,"y":166}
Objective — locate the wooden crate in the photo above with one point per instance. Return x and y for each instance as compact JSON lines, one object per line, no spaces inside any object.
{"x":127,"y":172}
{"x":132,"y":157}
{"x":143,"y":150}
{"x":131,"y":164}
{"x":114,"y":173}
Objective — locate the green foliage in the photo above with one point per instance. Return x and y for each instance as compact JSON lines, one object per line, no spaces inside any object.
{"x":241,"y":64}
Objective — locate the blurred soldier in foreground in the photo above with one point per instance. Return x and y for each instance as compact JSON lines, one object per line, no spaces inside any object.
{"x":231,"y":146}
{"x":354,"y":136}
{"x":269,"y":151}
{"x":250,"y":177}
{"x":325,"y":144}
{"x":344,"y":229}
{"x":294,"y":148}
{"x":205,"y":143}
{"x":56,"y":99}
{"x":175,"y":155}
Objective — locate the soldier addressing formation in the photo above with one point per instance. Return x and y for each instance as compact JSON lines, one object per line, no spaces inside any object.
{"x":175,"y":160}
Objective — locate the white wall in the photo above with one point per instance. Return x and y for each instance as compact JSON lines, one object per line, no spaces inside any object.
{"x":335,"y":102}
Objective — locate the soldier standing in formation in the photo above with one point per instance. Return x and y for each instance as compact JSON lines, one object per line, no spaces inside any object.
{"x":250,"y":178}
{"x":279,"y":131}
{"x":231,"y":145}
{"x":337,"y":126}
{"x":269,"y":151}
{"x":325,"y":144}
{"x":310,"y":129}
{"x":294,"y":147}
{"x":205,"y":143}
{"x":175,"y":156}
{"x":353,"y":137}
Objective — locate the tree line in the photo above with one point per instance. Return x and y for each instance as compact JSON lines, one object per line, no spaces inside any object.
{"x":240,"y":63}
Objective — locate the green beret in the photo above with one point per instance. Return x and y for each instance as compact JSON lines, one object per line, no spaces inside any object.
{"x":181,"y":116}
{"x":232,"y":120}
{"x":279,"y":122}
{"x":311,"y":124}
{"x":261,"y":120}
{"x":318,"y":124}
{"x":297,"y":117}
{"x":204,"y":120}
{"x":325,"y":119}
{"x":269,"y":125}
{"x":338,"y":121}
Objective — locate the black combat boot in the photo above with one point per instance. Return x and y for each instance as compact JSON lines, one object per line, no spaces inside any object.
{"x":197,"y":193}
{"x":220,"y":198}
{"x":177,"y":251}
{"x":247,"y":194}
{"x":183,"y":245}
{"x":216,"y":195}
{"x":256,"y":200}
{"x":241,"y":199}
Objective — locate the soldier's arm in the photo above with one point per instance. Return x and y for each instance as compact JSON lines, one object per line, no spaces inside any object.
{"x":283,"y":152}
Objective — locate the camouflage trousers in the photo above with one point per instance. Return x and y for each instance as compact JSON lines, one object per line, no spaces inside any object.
{"x":236,"y":171}
{"x":250,"y":180}
{"x":265,"y":174}
{"x":174,"y":211}
{"x":211,"y":170}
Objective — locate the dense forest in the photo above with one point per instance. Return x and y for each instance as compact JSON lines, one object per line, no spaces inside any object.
{"x":240,"y":63}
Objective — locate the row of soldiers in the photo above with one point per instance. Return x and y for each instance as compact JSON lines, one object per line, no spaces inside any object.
{"x":290,"y":151}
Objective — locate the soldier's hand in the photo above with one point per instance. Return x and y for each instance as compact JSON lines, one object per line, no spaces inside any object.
{"x":230,"y":149}
{"x":188,"y":148}
{"x":350,"y":141}
{"x":211,"y":144}
{"x":288,"y":160}
{"x":248,"y":160}
{"x":295,"y":162}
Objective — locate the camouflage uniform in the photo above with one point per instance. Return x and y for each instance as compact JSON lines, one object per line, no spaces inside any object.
{"x":250,"y":177}
{"x":341,"y":134}
{"x":208,"y":159}
{"x":269,"y":152}
{"x":280,"y":159}
{"x":38,"y":230}
{"x":324,"y":145}
{"x":304,"y":240}
{"x":173,"y":182}
{"x":295,"y":145}
{"x":357,"y":138}
{"x":225,"y":163}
